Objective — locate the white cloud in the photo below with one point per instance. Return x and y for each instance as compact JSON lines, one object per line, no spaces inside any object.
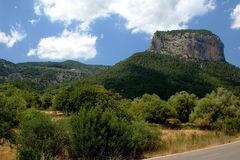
{"x":16,"y":35}
{"x":34,"y":21}
{"x":151,"y":15}
{"x":69,"y":45}
{"x":235,"y":15}
{"x":141,"y":15}
{"x":85,"y":11}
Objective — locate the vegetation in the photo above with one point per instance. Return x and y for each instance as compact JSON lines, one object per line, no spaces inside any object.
{"x":99,"y":124}
{"x":39,"y":137}
{"x":102,"y":135}
{"x":183,"y":103}
{"x":217,"y":110}
{"x":122,"y":112}
{"x":165,"y":75}
{"x":71,"y":99}
{"x":176,"y":141}
{"x":183,"y":31}
{"x":38,"y":76}
{"x":151,"y":109}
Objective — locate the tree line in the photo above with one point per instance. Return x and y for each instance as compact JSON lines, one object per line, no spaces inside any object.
{"x":100,"y":124}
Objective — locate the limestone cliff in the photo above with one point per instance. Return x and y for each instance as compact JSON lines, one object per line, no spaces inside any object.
{"x":190,"y":44}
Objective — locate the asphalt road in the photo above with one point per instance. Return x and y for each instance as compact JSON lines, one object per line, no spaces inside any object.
{"x":229,"y":151}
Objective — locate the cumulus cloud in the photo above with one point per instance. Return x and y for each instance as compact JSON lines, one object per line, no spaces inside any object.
{"x":16,"y":35}
{"x":235,"y":15}
{"x":151,"y":15}
{"x":141,"y":15}
{"x":85,"y":11}
{"x":68,"y":45}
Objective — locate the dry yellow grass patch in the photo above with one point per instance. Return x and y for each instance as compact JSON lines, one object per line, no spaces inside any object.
{"x":8,"y":152}
{"x":175,"y":141}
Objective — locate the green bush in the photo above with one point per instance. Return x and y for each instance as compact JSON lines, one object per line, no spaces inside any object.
{"x":102,"y":135}
{"x":213,"y":109}
{"x":231,"y":126}
{"x":9,"y":109}
{"x":152,"y":109}
{"x":39,"y":137}
{"x":72,"y":99}
{"x":184,"y":103}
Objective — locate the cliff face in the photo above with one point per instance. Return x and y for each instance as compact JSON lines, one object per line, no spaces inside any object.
{"x":190,"y":44}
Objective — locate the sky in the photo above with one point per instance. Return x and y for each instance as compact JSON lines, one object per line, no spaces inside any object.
{"x":107,"y":31}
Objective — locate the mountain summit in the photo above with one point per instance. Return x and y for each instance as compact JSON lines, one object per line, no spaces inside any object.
{"x":200,"y":45}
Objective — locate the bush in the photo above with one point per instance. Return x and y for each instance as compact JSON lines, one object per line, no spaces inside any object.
{"x":73,"y":98}
{"x":152,"y":109}
{"x":102,"y":135}
{"x":231,"y":126}
{"x":214,"y":108}
{"x":9,"y":109}
{"x":39,"y":137}
{"x":46,"y":101}
{"x":184,"y":103}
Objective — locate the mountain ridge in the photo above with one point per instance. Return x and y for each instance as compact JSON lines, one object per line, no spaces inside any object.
{"x":41,"y":75}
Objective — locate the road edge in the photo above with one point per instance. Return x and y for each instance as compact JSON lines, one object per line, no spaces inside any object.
{"x":202,"y":149}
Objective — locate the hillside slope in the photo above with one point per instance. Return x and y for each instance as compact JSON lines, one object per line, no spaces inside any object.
{"x":40,"y":75}
{"x":149,"y":72}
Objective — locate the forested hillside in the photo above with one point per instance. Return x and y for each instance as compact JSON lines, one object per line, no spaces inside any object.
{"x":165,"y":75}
{"x":40,"y":75}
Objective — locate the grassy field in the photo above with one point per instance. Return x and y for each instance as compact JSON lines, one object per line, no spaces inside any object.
{"x":175,"y":141}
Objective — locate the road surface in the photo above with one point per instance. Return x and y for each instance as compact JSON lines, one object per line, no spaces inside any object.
{"x":229,"y":151}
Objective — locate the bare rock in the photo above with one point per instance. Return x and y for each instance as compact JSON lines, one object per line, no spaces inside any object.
{"x":199,"y":45}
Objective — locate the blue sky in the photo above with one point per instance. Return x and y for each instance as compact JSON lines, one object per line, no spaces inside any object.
{"x":107,"y":31}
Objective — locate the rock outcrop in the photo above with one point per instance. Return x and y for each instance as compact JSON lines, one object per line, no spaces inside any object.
{"x":201,"y":45}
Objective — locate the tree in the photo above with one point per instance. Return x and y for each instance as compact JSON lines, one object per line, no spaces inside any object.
{"x":184,"y":103}
{"x":102,"y":135}
{"x":214,"y":108}
{"x":46,"y":101}
{"x":152,"y":109}
{"x":9,"y":109}
{"x":39,"y":138}
{"x":72,"y":99}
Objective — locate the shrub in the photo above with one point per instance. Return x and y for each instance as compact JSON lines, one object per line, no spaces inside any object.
{"x":46,"y":101}
{"x":39,"y":137}
{"x":184,"y":103}
{"x":231,"y":126}
{"x":73,"y":98}
{"x":152,"y":109}
{"x":214,"y":108}
{"x":9,"y":109}
{"x":102,"y":135}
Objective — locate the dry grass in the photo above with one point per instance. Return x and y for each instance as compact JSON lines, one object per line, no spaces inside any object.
{"x":175,"y":141}
{"x":8,"y":152}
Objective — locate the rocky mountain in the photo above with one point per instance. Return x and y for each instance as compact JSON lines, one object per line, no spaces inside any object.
{"x":164,"y":75}
{"x":200,"y":45}
{"x":184,"y":60}
{"x":40,"y":75}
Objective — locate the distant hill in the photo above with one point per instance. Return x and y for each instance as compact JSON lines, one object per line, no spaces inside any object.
{"x":40,"y":75}
{"x":163,"y":74}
